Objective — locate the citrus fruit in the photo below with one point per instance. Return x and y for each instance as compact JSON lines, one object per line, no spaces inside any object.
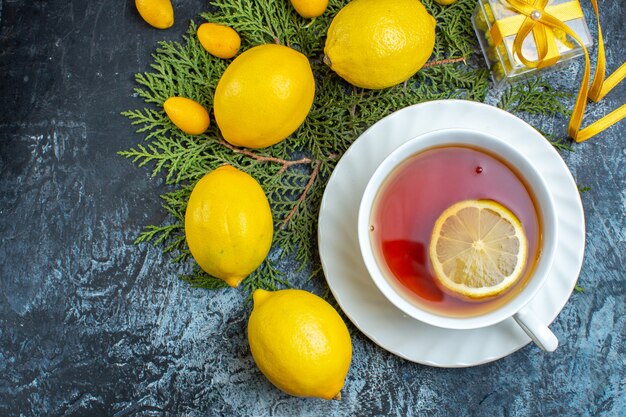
{"x":300,"y":343}
{"x":445,"y":2}
{"x":310,"y":8}
{"x":219,"y":40}
{"x":187,"y":114}
{"x":478,"y":248}
{"x":157,"y":13}
{"x":379,"y":43}
{"x":263,"y":96}
{"x":228,"y":224}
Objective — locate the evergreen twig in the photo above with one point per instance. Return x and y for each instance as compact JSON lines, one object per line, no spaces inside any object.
{"x":535,"y":96}
{"x":294,"y":172}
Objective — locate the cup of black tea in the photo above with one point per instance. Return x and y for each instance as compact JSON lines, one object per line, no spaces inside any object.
{"x":458,"y":230}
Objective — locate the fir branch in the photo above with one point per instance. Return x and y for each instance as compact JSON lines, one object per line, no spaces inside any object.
{"x":283,"y":162}
{"x":267,"y":277}
{"x":535,"y":96}
{"x":444,"y":61}
{"x":294,"y":172}
{"x":157,"y":234}
{"x":200,"y":279}
{"x":561,"y":144}
{"x":455,"y":35}
{"x":170,"y":236}
{"x":307,"y":187}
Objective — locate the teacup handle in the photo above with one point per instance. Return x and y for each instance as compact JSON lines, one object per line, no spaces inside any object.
{"x":536,"y":330}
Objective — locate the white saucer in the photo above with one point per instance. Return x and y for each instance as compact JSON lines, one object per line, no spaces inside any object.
{"x":348,"y":278}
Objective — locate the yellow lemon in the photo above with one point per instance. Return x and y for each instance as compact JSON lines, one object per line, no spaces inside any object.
{"x":263,"y":96}
{"x":478,"y":248}
{"x":300,"y":343}
{"x":187,"y":114}
{"x":228,"y":224}
{"x":157,"y":13}
{"x":219,"y":40}
{"x":379,"y":43}
{"x":445,"y":2}
{"x":310,"y":8}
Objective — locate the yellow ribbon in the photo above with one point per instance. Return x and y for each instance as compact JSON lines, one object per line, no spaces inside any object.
{"x":536,"y":14}
{"x":547,"y":50}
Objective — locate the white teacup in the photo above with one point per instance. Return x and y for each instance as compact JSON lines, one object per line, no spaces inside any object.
{"x":515,"y":307}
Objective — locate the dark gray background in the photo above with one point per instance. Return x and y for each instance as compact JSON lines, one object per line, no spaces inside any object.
{"x":91,"y":324}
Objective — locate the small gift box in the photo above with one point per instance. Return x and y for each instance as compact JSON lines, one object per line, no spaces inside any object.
{"x":516,"y":45}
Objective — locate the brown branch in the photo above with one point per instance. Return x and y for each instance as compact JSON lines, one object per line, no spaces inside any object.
{"x":444,"y":61}
{"x":309,"y":184}
{"x":285,"y":163}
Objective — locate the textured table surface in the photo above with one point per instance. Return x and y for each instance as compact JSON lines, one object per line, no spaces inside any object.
{"x":91,"y":324}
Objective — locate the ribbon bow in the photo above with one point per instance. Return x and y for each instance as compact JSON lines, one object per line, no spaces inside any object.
{"x":539,"y":21}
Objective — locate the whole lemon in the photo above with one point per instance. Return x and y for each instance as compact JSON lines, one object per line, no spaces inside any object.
{"x":379,"y":43}
{"x":263,"y":96}
{"x":228,"y":224}
{"x":300,"y":343}
{"x":157,"y":13}
{"x":188,"y":115}
{"x":310,"y":8}
{"x":219,"y":40}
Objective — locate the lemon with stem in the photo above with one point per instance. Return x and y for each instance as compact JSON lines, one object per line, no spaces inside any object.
{"x":264,"y":96}
{"x":379,"y":43}
{"x":228,"y":224}
{"x":300,"y":343}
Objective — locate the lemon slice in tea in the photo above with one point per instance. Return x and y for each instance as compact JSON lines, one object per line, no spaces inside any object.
{"x":478,"y":248}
